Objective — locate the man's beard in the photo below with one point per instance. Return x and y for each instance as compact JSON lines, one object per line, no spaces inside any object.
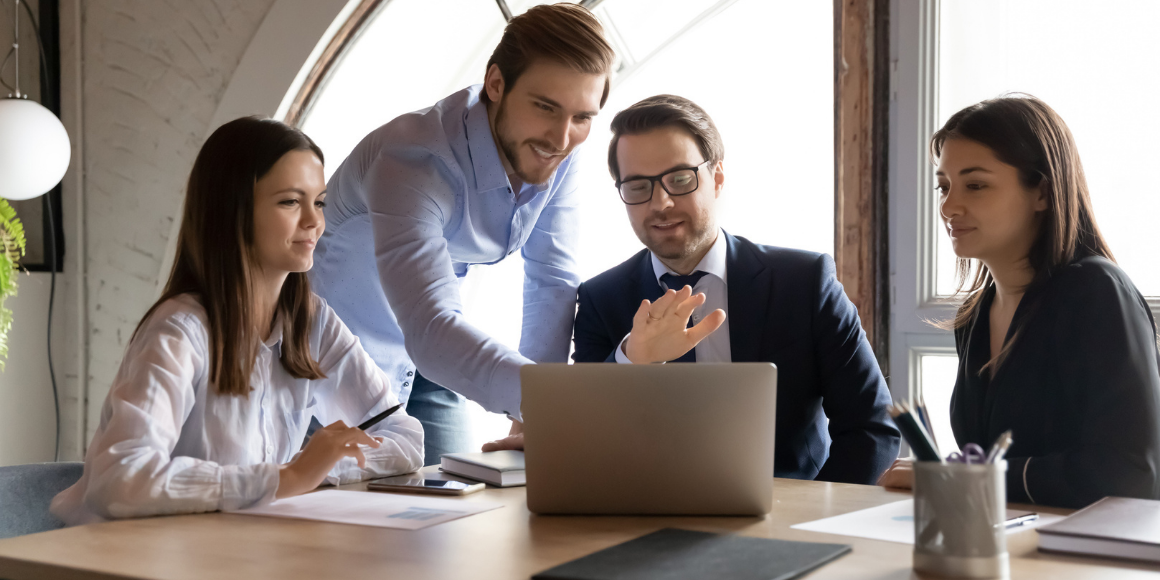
{"x":509,"y":146}
{"x":700,"y":234}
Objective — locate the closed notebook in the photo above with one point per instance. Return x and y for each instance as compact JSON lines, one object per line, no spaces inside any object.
{"x":672,"y":554}
{"x":501,"y":468}
{"x":1117,"y":527}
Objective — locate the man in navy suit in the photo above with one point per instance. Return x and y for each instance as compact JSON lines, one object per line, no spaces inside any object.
{"x":752,"y":303}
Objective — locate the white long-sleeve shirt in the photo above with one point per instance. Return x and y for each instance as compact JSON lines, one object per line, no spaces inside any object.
{"x":169,"y":443}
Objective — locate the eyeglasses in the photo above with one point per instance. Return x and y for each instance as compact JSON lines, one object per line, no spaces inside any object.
{"x":679,"y":181}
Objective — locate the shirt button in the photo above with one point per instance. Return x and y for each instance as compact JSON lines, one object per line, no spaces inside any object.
{"x":409,"y":373}
{"x":406,"y":384}
{"x":269,"y":449}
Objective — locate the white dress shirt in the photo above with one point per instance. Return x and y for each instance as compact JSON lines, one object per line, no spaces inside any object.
{"x":169,"y":443}
{"x":715,"y":347}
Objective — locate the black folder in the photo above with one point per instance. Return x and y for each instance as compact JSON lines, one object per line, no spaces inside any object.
{"x":672,"y":554}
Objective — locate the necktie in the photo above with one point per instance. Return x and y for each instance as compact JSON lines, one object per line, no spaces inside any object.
{"x":675,"y":282}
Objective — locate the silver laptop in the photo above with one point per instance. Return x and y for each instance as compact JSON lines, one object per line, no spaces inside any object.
{"x":688,"y":439}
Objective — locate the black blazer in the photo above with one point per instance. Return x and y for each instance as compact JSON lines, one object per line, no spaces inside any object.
{"x":1080,"y":389}
{"x":785,"y":307}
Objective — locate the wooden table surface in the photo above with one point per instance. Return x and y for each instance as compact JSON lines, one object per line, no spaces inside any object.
{"x":507,"y":543}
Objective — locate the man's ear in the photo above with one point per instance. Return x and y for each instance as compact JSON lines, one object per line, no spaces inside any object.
{"x":718,"y":178}
{"x":493,"y":83}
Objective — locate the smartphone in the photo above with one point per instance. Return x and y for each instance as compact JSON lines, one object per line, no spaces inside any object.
{"x":419,"y":484}
{"x":1018,"y":517}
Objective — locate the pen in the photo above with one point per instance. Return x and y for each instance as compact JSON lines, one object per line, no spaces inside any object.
{"x":375,"y":420}
{"x":915,"y":435}
{"x":999,"y":449}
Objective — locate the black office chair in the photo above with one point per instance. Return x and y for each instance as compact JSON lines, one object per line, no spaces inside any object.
{"x":26,"y":491}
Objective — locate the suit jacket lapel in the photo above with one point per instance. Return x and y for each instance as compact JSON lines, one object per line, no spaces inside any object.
{"x":750,"y":291}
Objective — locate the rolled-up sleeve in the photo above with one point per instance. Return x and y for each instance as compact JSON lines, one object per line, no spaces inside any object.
{"x":409,"y":197}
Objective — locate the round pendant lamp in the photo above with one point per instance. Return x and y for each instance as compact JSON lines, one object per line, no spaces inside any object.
{"x":34,"y":149}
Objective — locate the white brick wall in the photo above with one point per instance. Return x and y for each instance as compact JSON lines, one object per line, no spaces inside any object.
{"x":153,"y":73}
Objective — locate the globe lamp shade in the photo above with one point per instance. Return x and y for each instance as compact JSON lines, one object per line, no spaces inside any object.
{"x":34,"y":149}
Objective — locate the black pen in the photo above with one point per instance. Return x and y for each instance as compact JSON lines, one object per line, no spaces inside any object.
{"x":375,"y":420}
{"x":924,"y":449}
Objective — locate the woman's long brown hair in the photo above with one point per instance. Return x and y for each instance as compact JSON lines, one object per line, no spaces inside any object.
{"x":1022,"y":131}
{"x":215,"y":258}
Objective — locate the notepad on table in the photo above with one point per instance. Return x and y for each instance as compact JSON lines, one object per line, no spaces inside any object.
{"x":1117,"y":527}
{"x":672,"y":554}
{"x":500,"y":468}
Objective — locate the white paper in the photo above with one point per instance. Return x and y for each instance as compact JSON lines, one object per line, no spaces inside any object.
{"x":364,"y":508}
{"x":892,"y":522}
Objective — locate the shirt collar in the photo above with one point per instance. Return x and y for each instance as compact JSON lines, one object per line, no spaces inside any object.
{"x":485,"y":161}
{"x":274,"y":342}
{"x":713,"y":263}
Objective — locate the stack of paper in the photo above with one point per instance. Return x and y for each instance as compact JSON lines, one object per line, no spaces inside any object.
{"x":384,"y":510}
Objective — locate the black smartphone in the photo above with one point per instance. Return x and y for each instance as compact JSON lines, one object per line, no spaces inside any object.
{"x":415,"y":483}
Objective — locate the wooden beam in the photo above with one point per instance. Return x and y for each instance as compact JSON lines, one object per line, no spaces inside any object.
{"x":861,"y":82}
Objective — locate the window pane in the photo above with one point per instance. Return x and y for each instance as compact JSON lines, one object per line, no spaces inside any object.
{"x":1095,"y":64}
{"x":937,"y":381}
{"x":779,"y":144}
{"x":414,"y":53}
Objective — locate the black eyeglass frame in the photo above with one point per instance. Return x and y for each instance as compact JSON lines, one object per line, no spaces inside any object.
{"x":655,"y":178}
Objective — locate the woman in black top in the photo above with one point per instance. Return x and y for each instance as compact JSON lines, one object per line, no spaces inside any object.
{"x":1054,"y":340}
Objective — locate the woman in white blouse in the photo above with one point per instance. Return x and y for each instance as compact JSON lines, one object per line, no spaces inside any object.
{"x":213,"y":398}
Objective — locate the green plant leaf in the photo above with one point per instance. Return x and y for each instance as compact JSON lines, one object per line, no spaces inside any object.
{"x":12,"y":246}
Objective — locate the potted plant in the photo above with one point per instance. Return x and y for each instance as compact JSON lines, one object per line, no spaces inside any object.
{"x":11,"y":250}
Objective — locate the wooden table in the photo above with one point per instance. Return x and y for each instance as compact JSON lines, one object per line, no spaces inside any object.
{"x":508,"y":543}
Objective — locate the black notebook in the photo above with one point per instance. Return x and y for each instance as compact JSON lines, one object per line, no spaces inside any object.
{"x":672,"y":554}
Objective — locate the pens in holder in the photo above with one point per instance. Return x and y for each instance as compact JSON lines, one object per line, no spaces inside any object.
{"x":999,"y":449}
{"x":915,"y":435}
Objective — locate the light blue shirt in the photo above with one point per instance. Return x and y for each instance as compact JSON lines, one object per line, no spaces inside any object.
{"x":416,"y":203}
{"x":715,"y":347}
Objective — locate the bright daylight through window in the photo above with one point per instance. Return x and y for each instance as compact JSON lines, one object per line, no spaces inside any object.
{"x":763,"y":70}
{"x":1090,"y":61}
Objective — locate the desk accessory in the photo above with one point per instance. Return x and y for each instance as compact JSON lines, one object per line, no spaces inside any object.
{"x":499,"y":468}
{"x":672,"y":554}
{"x":377,"y":418}
{"x":1116,"y":527}
{"x":960,"y":513}
{"x":916,"y":436}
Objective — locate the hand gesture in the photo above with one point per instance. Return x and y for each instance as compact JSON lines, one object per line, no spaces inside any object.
{"x":659,"y":330}
{"x":325,"y":448}
{"x":899,"y":476}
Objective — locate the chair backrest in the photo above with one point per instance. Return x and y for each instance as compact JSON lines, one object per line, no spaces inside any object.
{"x":26,"y":491}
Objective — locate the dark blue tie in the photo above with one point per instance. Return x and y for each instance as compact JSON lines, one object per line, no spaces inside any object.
{"x":675,"y":282}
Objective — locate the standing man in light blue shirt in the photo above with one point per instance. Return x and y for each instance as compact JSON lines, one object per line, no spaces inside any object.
{"x":482,"y":174}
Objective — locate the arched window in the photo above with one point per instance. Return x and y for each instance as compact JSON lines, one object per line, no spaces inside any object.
{"x":763,"y":70}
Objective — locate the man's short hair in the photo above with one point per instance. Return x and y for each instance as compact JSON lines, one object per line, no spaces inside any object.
{"x":666,"y":111}
{"x":564,"y":33}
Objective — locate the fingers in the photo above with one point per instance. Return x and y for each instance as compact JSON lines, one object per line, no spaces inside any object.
{"x":642,"y":314}
{"x":707,"y":326}
{"x":686,"y":307}
{"x":511,"y":442}
{"x":665,"y":304}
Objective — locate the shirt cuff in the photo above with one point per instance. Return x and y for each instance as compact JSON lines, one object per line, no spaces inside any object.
{"x":620,"y":356}
{"x":245,"y":486}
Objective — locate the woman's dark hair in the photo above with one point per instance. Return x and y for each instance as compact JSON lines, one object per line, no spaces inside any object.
{"x":1025,"y":133}
{"x":215,"y":252}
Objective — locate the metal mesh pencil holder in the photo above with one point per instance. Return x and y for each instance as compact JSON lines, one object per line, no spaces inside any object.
{"x":960,"y":519}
